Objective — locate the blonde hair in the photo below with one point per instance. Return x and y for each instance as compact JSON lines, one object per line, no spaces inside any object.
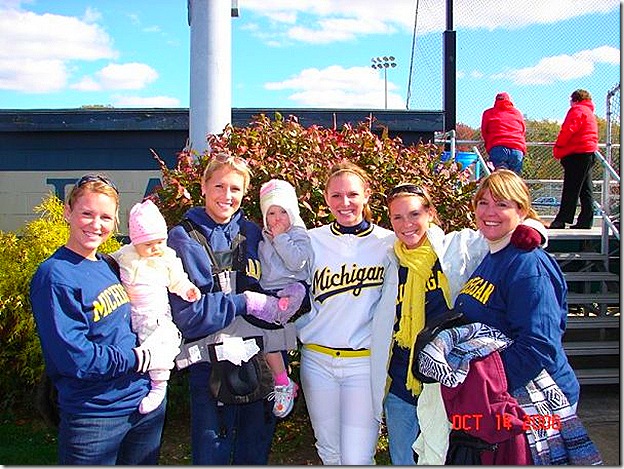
{"x":504,"y":184}
{"x":96,"y":183}
{"x":350,"y":168}
{"x":235,"y":163}
{"x":412,"y":190}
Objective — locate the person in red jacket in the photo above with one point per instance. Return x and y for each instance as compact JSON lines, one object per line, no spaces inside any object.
{"x":575,"y":148}
{"x":503,"y":132}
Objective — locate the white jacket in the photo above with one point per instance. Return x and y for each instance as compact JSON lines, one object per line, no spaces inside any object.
{"x":459,"y":252}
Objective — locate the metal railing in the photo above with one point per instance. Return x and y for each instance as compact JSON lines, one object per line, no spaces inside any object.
{"x":607,"y":166}
{"x":603,"y":209}
{"x":481,"y":161}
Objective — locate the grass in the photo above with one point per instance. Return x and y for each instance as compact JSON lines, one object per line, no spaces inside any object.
{"x":30,"y":442}
{"x":293,"y":443}
{"x":26,"y":440}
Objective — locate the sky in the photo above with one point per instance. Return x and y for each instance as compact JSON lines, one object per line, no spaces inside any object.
{"x":313,"y":54}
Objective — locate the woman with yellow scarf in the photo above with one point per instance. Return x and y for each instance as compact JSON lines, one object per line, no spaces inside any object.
{"x":429,"y":268}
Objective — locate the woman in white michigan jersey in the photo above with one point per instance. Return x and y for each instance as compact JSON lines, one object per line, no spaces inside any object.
{"x":346,"y":280}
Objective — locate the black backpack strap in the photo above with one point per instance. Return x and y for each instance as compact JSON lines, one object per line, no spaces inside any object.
{"x":239,"y":247}
{"x":193,"y":230}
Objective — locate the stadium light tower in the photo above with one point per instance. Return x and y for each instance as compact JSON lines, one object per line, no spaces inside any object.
{"x":384,"y":63}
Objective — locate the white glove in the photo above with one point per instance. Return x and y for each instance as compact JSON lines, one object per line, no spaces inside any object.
{"x":158,"y":351}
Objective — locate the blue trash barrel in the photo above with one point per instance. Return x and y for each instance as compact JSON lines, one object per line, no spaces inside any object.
{"x":465,"y":158}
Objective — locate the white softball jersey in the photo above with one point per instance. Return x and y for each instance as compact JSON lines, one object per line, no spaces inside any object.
{"x":346,"y":280}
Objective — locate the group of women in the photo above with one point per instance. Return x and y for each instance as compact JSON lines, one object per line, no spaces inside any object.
{"x":371,"y":289}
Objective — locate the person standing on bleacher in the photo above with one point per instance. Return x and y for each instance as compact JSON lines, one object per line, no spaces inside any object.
{"x":575,"y":148}
{"x":503,"y":132}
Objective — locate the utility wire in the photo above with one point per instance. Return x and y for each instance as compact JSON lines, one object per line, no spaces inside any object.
{"x":409,"y":76}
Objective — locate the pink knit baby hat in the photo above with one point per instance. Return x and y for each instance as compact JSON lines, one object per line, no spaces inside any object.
{"x":146,"y":223}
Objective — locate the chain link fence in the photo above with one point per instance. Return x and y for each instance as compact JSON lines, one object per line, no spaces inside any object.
{"x":544,"y":174}
{"x":475,"y":52}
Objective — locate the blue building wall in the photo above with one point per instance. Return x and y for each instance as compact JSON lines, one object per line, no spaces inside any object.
{"x":44,"y":151}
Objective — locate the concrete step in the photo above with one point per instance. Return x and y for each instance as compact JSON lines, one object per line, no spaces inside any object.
{"x":593,"y":322}
{"x":591,"y":342}
{"x":593,"y":233}
{"x":607,"y":347}
{"x":578,"y":256}
{"x":611,"y":298}
{"x":598,"y":375}
{"x":591,"y":277}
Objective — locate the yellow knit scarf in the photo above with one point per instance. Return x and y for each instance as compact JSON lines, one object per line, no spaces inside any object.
{"x":419,"y":263}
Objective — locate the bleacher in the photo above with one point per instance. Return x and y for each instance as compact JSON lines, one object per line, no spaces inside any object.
{"x":592,"y":338}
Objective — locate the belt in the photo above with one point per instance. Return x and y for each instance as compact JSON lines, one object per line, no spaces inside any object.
{"x":339,"y":352}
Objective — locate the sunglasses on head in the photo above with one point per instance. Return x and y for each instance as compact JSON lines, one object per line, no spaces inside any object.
{"x":225,"y":158}
{"x":404,"y":189}
{"x":96,"y":178}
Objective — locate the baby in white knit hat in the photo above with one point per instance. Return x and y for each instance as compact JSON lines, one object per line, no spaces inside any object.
{"x":285,"y":254}
{"x":149,"y":268}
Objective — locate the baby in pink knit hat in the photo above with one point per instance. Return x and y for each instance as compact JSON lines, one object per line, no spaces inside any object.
{"x":149,"y":269}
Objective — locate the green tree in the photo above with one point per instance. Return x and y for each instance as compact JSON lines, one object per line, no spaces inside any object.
{"x":20,"y":255}
{"x":539,"y":162}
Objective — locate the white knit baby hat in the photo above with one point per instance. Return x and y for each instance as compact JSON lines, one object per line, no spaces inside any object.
{"x":281,"y":193}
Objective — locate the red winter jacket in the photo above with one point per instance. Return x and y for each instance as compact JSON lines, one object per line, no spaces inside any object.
{"x":503,"y":125}
{"x":579,"y":131}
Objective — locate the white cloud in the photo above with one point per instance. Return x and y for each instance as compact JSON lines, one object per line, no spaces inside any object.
{"x":339,"y":29}
{"x":135,"y":19}
{"x":29,"y":35}
{"x":32,"y":76}
{"x":36,"y":50}
{"x":604,"y":54}
{"x":86,"y":84}
{"x":91,"y":15}
{"x":130,"y":76}
{"x":284,"y":17}
{"x":324,"y":21}
{"x":10,"y":4}
{"x":355,"y":87}
{"x":562,"y":67}
{"x":150,"y":101}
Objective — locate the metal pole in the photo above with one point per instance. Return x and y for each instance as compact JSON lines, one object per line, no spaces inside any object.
{"x":384,"y":63}
{"x":385,"y":88}
{"x":606,"y":185}
{"x":450,"y":68}
{"x":211,"y":70}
